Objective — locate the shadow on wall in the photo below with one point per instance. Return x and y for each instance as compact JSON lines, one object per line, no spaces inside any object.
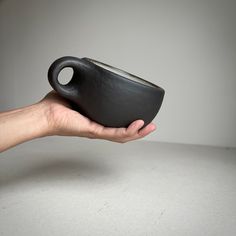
{"x":63,"y":169}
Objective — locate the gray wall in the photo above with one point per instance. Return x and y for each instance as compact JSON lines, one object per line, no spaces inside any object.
{"x":187,"y":47}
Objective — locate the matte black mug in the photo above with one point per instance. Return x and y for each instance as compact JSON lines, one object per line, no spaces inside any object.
{"x":105,"y":94}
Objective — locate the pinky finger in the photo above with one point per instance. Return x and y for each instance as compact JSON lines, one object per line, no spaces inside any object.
{"x":142,"y":133}
{"x":147,"y":130}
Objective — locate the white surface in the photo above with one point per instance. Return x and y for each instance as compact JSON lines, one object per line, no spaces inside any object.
{"x":62,"y":186}
{"x":186,"y":47}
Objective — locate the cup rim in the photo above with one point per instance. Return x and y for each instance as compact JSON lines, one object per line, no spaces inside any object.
{"x":136,"y":79}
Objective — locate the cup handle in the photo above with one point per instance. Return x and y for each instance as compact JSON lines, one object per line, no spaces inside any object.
{"x":78,"y":65}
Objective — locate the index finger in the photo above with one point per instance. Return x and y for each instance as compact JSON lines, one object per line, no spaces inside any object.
{"x":119,"y":134}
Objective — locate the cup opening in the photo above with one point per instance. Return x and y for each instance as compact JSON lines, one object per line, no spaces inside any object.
{"x":122,"y":73}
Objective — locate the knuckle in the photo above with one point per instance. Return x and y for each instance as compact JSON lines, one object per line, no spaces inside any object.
{"x":90,"y":136}
{"x":95,"y":131}
{"x":124,"y":133}
{"x":91,"y":133}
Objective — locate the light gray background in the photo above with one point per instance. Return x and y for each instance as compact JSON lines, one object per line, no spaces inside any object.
{"x":187,"y":47}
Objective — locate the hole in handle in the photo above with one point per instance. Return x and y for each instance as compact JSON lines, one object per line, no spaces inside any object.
{"x":65,"y":75}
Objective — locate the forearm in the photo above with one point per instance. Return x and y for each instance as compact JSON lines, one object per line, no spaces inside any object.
{"x":21,"y":125}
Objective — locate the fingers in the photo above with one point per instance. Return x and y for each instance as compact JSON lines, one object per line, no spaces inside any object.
{"x":119,"y":134}
{"x":142,"y":132}
{"x":123,"y":135}
{"x":147,"y":130}
{"x":113,"y":134}
{"x":134,"y":127}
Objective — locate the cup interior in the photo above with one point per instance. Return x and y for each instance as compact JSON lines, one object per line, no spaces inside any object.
{"x":122,"y":73}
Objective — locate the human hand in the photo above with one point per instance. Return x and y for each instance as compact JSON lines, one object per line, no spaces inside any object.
{"x":66,"y":122}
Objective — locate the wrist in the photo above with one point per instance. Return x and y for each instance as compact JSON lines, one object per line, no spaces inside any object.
{"x":40,"y":118}
{"x":23,"y":124}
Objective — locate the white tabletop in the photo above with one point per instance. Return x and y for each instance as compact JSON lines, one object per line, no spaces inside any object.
{"x":73,"y":186}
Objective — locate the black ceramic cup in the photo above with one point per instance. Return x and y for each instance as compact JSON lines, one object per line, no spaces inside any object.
{"x":105,"y":94}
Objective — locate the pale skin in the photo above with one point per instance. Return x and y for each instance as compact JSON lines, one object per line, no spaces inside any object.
{"x":53,"y":116}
